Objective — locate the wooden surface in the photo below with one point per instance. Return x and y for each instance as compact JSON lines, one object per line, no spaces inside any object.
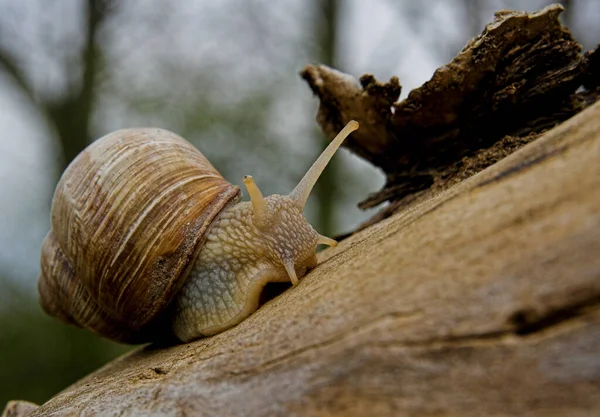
{"x":483,"y":301}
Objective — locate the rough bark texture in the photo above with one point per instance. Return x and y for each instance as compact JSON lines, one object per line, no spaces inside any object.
{"x":517,"y":79}
{"x":482,"y":301}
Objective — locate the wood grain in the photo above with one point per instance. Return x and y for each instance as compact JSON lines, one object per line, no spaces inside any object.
{"x":484,"y":300}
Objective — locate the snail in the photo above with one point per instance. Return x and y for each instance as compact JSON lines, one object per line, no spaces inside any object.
{"x":149,"y":241}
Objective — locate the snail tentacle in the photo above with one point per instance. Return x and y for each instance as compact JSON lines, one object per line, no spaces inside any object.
{"x":302,"y":191}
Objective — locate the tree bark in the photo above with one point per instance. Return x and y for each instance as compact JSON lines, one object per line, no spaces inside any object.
{"x":481,"y":301}
{"x":520,"y":77}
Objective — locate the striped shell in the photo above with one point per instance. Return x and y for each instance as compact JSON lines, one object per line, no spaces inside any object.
{"x":128,"y":219}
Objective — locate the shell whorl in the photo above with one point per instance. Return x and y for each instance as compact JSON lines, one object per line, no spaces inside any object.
{"x":128,"y":218}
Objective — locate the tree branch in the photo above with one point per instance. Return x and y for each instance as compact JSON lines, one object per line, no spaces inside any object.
{"x":8,"y":63}
{"x":72,"y":113}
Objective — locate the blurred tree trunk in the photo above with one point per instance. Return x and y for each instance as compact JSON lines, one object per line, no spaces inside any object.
{"x":568,"y":13}
{"x":73,"y":113}
{"x":326,"y":47}
{"x":70,"y":114}
{"x":473,"y":20}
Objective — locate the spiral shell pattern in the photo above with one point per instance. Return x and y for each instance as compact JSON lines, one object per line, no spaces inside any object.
{"x":129,"y":216}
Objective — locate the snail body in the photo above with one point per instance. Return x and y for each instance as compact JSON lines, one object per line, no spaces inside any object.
{"x":148,"y":240}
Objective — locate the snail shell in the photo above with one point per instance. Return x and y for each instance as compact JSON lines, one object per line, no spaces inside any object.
{"x":128,"y":217}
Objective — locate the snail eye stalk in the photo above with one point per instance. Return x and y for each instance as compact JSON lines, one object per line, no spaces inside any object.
{"x":302,"y":191}
{"x":259,"y":206}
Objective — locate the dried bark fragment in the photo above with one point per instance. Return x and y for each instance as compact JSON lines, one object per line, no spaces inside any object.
{"x":508,"y":85}
{"x":342,"y":99}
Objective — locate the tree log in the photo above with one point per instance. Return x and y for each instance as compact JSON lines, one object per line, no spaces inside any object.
{"x":481,"y":301}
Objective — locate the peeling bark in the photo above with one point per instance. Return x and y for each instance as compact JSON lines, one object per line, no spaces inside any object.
{"x":513,"y":82}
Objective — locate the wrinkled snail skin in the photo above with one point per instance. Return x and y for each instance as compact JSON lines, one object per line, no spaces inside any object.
{"x":148,"y":240}
{"x":236,"y":262}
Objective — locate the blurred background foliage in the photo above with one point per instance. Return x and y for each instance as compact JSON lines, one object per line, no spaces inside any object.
{"x":221,"y":74}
